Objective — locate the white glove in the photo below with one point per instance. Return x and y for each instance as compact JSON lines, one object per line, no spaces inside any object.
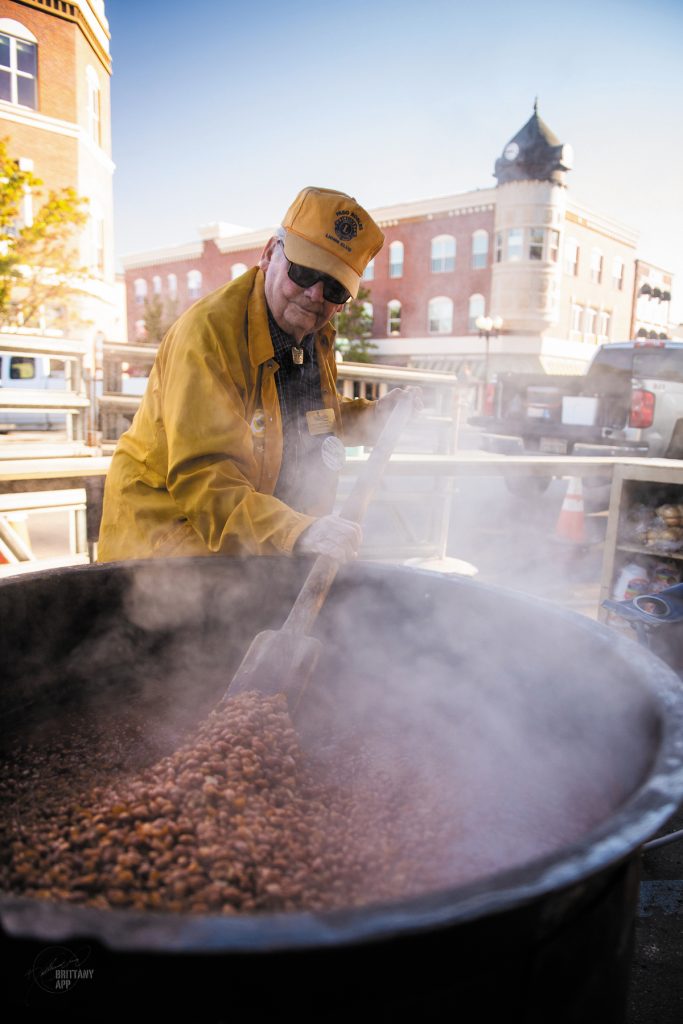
{"x":331,"y":535}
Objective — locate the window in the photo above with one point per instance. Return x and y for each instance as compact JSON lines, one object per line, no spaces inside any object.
{"x":237,"y":269}
{"x":443,"y":254}
{"x":440,"y":314}
{"x":172,"y":285}
{"x":369,"y":272}
{"x":589,"y":320}
{"x":618,"y":275}
{"x":515,"y":242}
{"x":396,"y":259}
{"x":604,"y":323}
{"x":477,"y":307}
{"x":369,"y":311}
{"x":480,"y":249}
{"x":596,"y":266}
{"x":140,"y":288}
{"x":571,"y":257}
{"x":194,"y":283}
{"x":553,"y":245}
{"x":577,"y":316}
{"x":94,"y":106}
{"x":394,"y":317}
{"x":97,"y":240}
{"x":22,"y":368}
{"x":25,"y":213}
{"x":156,"y":284}
{"x":499,"y":247}
{"x":18,"y":64}
{"x":536,"y":243}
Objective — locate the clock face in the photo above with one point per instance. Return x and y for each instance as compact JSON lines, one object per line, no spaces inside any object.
{"x":511,"y":151}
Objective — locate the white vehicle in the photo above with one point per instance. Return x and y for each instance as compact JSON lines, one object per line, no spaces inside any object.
{"x":30,"y":373}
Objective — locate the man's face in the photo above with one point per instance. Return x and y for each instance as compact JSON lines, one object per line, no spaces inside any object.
{"x":298,"y":311}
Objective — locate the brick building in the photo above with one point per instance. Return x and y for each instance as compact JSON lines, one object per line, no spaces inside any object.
{"x":55,"y":73}
{"x":555,"y":277}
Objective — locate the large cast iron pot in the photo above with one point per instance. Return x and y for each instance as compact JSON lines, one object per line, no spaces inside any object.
{"x":562,"y":748}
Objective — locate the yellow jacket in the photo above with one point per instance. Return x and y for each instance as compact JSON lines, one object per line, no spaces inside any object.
{"x":196,"y":471}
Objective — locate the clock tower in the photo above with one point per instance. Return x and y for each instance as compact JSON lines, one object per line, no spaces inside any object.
{"x":530,"y":210}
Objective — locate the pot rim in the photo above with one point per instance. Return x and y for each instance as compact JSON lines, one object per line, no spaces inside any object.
{"x":612,"y":841}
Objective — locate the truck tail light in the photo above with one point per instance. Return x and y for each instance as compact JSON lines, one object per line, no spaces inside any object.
{"x":489,"y":399}
{"x":642,"y":408}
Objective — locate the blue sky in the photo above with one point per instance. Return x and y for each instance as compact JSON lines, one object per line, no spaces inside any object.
{"x":224,"y":110}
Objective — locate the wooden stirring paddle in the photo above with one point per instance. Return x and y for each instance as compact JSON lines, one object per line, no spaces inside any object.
{"x":283,"y":660}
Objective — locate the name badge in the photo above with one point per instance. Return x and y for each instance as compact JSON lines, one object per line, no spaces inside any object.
{"x":320,"y":421}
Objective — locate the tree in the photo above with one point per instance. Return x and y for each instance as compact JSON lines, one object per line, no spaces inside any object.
{"x":158,"y":317}
{"x":39,"y":271}
{"x":354,"y":328}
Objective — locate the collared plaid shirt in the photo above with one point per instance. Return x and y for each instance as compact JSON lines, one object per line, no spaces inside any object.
{"x":298,"y":389}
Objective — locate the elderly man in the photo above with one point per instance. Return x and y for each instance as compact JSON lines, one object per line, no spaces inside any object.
{"x":236,"y":446}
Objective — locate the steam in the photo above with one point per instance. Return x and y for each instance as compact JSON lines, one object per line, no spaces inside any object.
{"x":494,"y":732}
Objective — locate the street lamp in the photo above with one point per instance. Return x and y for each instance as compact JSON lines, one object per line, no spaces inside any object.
{"x":488,"y":327}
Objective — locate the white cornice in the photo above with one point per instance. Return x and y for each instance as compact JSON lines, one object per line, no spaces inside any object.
{"x":68,"y":129}
{"x":463,"y":202}
{"x":466,"y":202}
{"x":93,"y":14}
{"x":33,"y":119}
{"x":249,"y":240}
{"x":176,"y":253}
{"x":604,"y":225}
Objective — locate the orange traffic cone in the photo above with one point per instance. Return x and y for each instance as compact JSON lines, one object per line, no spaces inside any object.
{"x":571,"y":524}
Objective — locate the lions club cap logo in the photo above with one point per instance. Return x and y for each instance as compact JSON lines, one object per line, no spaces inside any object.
{"x":345,"y":228}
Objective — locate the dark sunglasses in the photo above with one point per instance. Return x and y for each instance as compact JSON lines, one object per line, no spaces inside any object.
{"x":306,"y":277}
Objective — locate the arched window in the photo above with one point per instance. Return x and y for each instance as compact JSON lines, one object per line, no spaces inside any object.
{"x":396,"y":259}
{"x":596,"y":266}
{"x":172,"y":285}
{"x":369,"y":272}
{"x":156,"y":284}
{"x":140,"y":289}
{"x":369,"y":311}
{"x":477,"y":307}
{"x":440,"y":315}
{"x":194,"y":283}
{"x":394,"y":317}
{"x":443,"y":254}
{"x":480,"y":249}
{"x":571,"y":257}
{"x":18,"y":64}
{"x":237,"y":269}
{"x":94,"y":106}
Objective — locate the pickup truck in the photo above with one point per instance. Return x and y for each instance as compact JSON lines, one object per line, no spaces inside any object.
{"x":628,"y":402}
{"x":20,"y":372}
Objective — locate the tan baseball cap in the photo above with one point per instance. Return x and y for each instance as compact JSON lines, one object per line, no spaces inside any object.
{"x":330,"y":232}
